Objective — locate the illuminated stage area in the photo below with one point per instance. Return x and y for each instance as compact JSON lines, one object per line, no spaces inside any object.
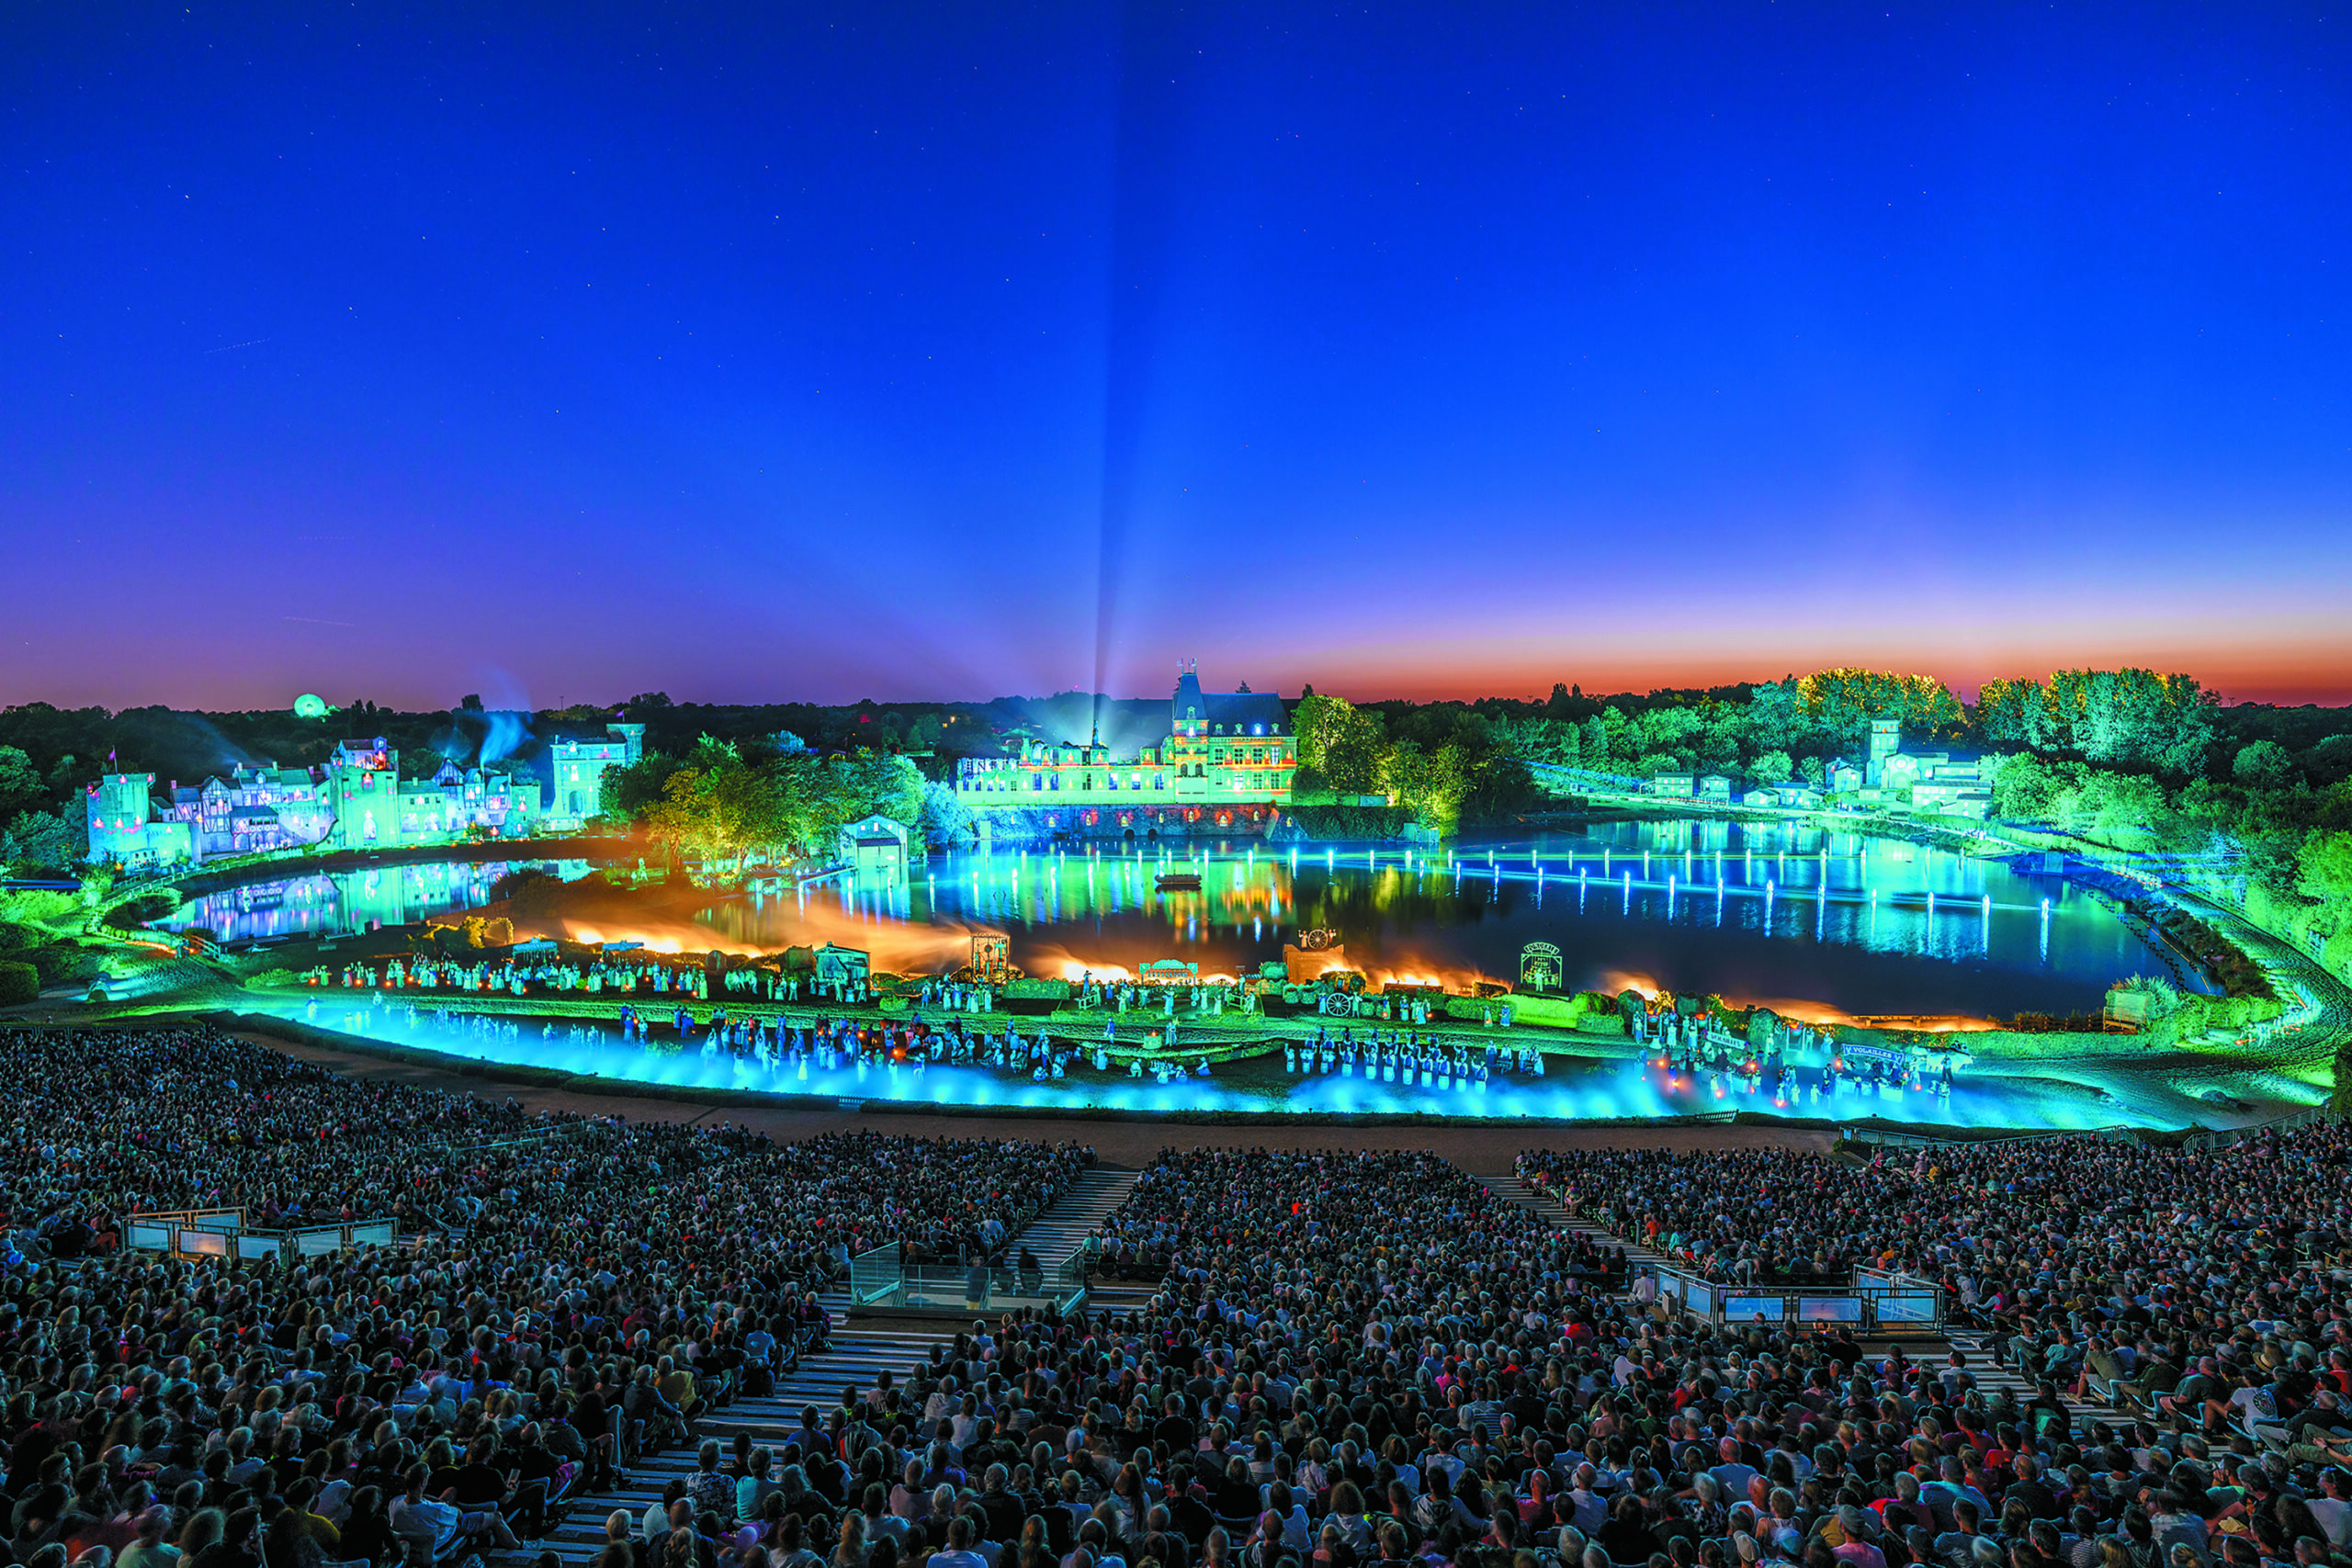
{"x":1816,"y":924}
{"x":1681,"y":969}
{"x":1571,"y":1088}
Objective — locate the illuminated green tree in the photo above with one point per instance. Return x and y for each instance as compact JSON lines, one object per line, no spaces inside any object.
{"x":2026,"y":788}
{"x":2264,"y":764}
{"x":1539,"y":740}
{"x":2119,"y":718}
{"x":1342,"y":742}
{"x":1431,"y":785}
{"x":46,"y":840}
{"x":945,"y":819}
{"x":1840,"y":703}
{"x":20,"y":782}
{"x":883,"y":781}
{"x":626,"y":794}
{"x":2325,"y":868}
{"x":719,"y":807}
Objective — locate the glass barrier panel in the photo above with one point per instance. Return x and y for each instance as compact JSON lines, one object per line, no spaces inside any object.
{"x":1829,"y":1309}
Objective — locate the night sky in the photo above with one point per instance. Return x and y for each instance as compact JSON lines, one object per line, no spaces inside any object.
{"x":562,"y":353}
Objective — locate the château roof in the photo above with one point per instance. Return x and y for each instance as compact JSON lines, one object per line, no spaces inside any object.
{"x":1231,"y":713}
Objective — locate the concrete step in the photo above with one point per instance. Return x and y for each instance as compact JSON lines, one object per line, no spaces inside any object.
{"x":1984,"y":1365}
{"x":847,"y":1368}
{"x":1509,"y":1186}
{"x":1061,"y":1231}
{"x":1117,"y":1296}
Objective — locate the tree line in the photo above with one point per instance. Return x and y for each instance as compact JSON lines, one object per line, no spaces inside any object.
{"x":770,"y":798}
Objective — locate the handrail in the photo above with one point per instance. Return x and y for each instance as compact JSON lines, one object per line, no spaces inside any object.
{"x":1876,"y":1303}
{"x":222,"y":1233}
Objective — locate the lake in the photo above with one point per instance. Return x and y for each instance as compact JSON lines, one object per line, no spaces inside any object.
{"x":1794,"y":916}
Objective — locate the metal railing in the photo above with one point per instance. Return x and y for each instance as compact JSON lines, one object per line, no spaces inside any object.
{"x":2292,"y":1121}
{"x":1886,"y":1138}
{"x":1877,"y":1302}
{"x":222,"y":1233}
{"x":882,"y":1279}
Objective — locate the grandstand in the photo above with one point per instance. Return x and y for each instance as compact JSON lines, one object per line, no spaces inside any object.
{"x":635,"y":1344}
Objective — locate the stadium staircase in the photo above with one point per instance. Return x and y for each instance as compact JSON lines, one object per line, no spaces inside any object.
{"x":846,"y":1370}
{"x":1061,"y":1231}
{"x":852,"y":1361}
{"x":1058,"y":1235}
{"x":1984,"y":1352}
{"x":1507,"y":1186}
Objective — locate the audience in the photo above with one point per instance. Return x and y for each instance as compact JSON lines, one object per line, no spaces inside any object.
{"x":1335,"y":1360}
{"x":564,"y":1288}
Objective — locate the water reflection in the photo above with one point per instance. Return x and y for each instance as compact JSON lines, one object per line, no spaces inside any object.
{"x":339,"y":903}
{"x":1773,"y":912}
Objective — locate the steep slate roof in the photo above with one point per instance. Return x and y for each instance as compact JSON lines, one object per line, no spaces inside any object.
{"x":1236,"y":711}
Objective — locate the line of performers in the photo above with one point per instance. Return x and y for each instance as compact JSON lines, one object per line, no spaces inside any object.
{"x":1407,"y":1056}
{"x":1722,"y":1071}
{"x":787,"y":1049}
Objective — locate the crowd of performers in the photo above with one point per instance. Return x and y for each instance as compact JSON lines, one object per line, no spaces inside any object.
{"x":629,"y":976}
{"x":1693,"y":1050}
{"x":780,"y":1050}
{"x":1700,"y":1051}
{"x":1407,"y":1056}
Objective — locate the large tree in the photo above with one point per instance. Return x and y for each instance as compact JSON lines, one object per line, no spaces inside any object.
{"x":2326,"y":867}
{"x":1340,"y":741}
{"x":1840,"y":703}
{"x":1430,"y":784}
{"x":2128,"y":718}
{"x":21,"y":788}
{"x":871,"y":782}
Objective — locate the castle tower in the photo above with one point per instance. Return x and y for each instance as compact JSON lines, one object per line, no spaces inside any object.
{"x":1887,"y":739}
{"x":118,"y":806}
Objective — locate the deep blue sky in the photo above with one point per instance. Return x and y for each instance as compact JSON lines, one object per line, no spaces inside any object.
{"x":566,"y":351}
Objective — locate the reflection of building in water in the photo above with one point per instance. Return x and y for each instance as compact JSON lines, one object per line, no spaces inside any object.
{"x":1227,"y":760}
{"x":338,"y":902}
{"x":357,"y":801}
